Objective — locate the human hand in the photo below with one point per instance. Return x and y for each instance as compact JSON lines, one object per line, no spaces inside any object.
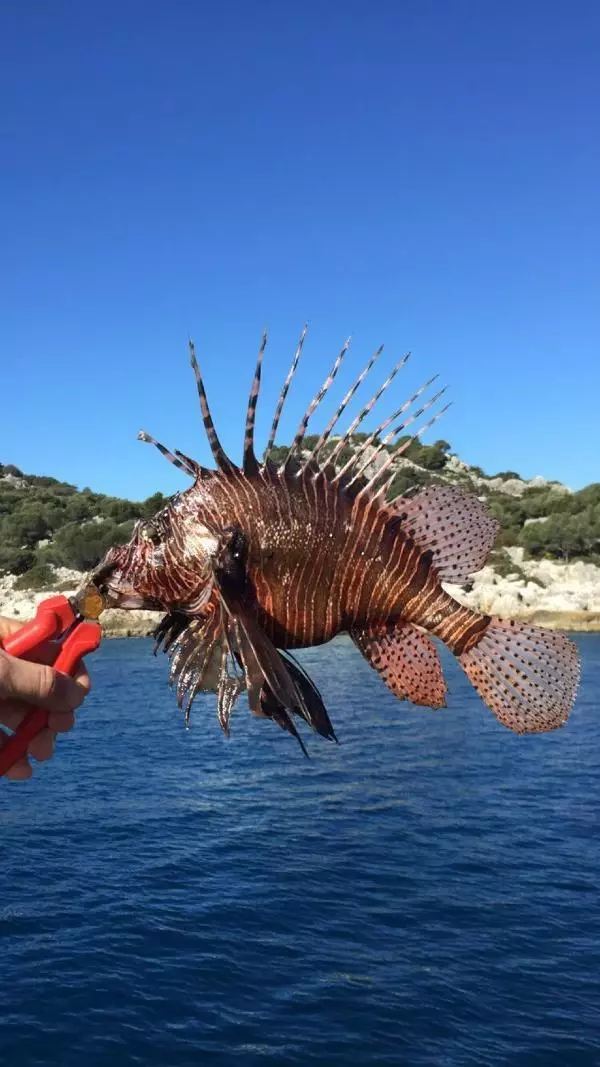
{"x":25,"y":685}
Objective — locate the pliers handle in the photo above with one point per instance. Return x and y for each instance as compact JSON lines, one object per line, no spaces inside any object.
{"x":56,"y":620}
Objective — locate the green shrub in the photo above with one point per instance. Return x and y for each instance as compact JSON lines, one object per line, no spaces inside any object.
{"x":154,"y":503}
{"x":15,"y":560}
{"x":431,"y":457}
{"x":407,"y":478}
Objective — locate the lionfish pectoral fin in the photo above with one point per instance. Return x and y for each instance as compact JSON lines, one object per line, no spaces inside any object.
{"x":199,"y":653}
{"x":455,"y":526}
{"x":168,"y":630}
{"x":317,"y":716}
{"x":229,"y":689}
{"x":271,"y":708}
{"x":254,"y":699}
{"x":263,"y":666}
{"x":407,"y":660}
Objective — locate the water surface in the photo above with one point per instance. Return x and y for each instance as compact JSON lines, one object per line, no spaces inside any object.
{"x":425,"y":893}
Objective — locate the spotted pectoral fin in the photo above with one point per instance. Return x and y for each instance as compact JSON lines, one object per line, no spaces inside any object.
{"x":455,"y":526}
{"x":407,"y":660}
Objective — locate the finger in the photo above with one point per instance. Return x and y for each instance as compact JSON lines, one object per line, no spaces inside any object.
{"x":42,"y":746}
{"x":38,"y":685}
{"x":82,"y":677}
{"x":44,"y":653}
{"x":47,"y":653}
{"x":12,"y":713}
{"x":19,"y":770}
{"x":61,"y":721}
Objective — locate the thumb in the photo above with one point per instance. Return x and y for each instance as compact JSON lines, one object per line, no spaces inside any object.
{"x":38,"y":685}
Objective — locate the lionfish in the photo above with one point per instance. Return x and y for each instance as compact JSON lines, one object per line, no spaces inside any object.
{"x":251,"y":562}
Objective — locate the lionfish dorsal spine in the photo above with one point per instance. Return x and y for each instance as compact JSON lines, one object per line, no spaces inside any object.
{"x":284,"y":392}
{"x":192,"y":464}
{"x":250,"y":464}
{"x":342,"y":407}
{"x":220,"y":456}
{"x":387,"y":484}
{"x":387,"y":440}
{"x":183,"y":463}
{"x":366,"y":409}
{"x":361,"y":453}
{"x":316,"y":401}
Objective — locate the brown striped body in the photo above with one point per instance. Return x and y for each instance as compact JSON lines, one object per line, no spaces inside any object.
{"x":320,"y":562}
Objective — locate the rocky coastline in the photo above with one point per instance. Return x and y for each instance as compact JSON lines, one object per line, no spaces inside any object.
{"x":561,"y":596}
{"x":21,"y":604}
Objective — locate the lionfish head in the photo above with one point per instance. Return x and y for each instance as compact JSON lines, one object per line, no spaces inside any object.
{"x":162,"y":567}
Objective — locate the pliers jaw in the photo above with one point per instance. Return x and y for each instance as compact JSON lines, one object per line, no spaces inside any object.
{"x":88,"y":602}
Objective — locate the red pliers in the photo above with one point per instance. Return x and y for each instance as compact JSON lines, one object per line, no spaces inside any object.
{"x":72,"y":626}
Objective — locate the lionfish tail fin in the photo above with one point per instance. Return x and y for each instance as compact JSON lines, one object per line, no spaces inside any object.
{"x":527,"y":676}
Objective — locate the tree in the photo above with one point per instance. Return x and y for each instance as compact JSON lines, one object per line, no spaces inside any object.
{"x":406,"y":479}
{"x":123,"y":510}
{"x":28,"y":526}
{"x":153,"y":504}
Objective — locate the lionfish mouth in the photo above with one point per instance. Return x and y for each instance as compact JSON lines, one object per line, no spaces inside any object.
{"x":117,"y":592}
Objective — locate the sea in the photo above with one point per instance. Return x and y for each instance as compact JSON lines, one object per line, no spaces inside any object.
{"x":425,"y":893}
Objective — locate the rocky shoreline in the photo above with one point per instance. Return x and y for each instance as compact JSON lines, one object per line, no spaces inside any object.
{"x":561,"y":596}
{"x":21,"y":604}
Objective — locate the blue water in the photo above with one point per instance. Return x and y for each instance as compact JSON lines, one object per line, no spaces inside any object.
{"x":425,"y":893}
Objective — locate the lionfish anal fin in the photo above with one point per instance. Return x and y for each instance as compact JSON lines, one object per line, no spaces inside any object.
{"x":407,"y":660}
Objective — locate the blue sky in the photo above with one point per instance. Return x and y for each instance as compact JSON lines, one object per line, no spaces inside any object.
{"x":422,"y":174}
